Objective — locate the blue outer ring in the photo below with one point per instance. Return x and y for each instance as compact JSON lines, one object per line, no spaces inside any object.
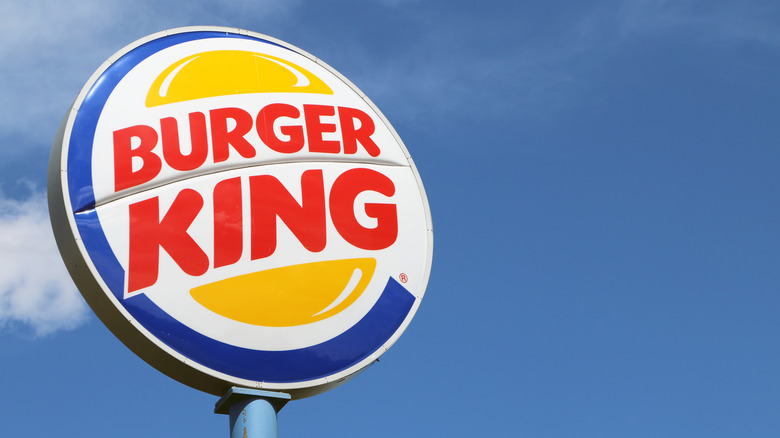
{"x":289,"y":366}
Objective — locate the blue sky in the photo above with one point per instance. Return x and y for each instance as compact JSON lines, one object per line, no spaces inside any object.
{"x":603,"y":179}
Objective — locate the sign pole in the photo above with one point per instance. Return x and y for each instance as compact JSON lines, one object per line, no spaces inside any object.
{"x":252,"y":412}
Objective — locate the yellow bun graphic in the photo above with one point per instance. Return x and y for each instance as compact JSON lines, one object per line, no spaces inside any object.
{"x":227,"y":72}
{"x":290,"y":295}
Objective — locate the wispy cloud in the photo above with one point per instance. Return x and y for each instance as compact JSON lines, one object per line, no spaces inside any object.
{"x":727,"y":22}
{"x":50,"y":48}
{"x":470,"y":67}
{"x":36,"y":292}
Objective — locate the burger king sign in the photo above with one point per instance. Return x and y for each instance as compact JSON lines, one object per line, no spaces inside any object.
{"x":238,"y":213}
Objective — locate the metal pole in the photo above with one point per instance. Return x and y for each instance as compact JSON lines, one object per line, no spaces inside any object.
{"x":252,"y":412}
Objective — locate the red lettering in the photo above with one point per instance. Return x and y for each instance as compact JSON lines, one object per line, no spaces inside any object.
{"x":124,"y":175}
{"x":172,"y":149}
{"x":149,"y":233}
{"x":265,"y":128}
{"x":345,"y":190}
{"x":315,"y":128}
{"x":151,"y":230}
{"x":351,"y":135}
{"x":222,"y":138}
{"x":228,"y":223}
{"x":136,"y":163}
{"x":269,"y":199}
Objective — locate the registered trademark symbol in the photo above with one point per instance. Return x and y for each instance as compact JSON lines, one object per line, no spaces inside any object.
{"x":403,"y":278}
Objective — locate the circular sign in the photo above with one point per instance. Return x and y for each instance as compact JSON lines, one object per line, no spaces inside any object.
{"x":238,"y":213}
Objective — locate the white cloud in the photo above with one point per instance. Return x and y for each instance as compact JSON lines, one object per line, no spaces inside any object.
{"x":49,"y":48}
{"x":36,"y":291}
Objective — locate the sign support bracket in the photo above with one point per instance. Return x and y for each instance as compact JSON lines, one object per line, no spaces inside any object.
{"x":252,"y":411}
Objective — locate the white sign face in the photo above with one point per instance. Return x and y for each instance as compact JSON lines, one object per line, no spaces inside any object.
{"x":238,"y":213}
